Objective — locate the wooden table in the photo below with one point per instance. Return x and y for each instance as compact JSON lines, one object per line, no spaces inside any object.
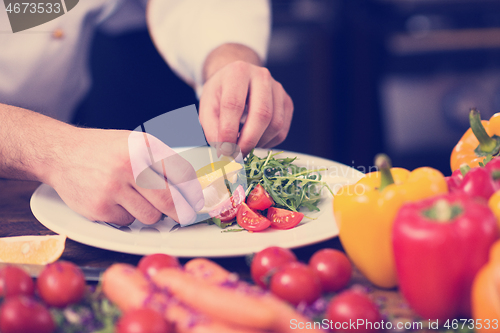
{"x":16,"y":219}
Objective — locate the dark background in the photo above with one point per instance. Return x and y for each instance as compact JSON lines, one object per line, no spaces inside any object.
{"x":334,"y":57}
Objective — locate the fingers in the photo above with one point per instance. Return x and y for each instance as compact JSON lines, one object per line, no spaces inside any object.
{"x":232,"y":104}
{"x":277,"y":123}
{"x":137,"y":206}
{"x":209,"y":113}
{"x":181,"y":174}
{"x":260,"y":110}
{"x":156,"y":181}
{"x":111,"y":213}
{"x":168,"y":199}
{"x":285,"y":127}
{"x":223,"y":101}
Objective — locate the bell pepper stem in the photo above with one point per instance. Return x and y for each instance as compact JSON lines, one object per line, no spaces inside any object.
{"x":443,"y":211}
{"x":487,"y":144}
{"x":383,"y":164}
{"x":495,"y":174}
{"x":464,"y":168}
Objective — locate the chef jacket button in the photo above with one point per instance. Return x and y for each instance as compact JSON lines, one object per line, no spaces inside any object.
{"x":58,"y":34}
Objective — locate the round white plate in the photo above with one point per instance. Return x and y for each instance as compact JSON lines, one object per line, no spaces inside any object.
{"x":200,"y":239}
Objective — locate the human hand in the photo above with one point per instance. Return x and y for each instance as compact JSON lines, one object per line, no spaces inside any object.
{"x":222,"y":104}
{"x":94,"y":175}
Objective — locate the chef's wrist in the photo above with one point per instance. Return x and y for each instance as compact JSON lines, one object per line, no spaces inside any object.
{"x":226,"y":54}
{"x":55,"y":152}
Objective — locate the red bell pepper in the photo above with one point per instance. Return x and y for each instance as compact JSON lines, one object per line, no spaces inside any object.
{"x":439,"y":245}
{"x":454,"y":181}
{"x":479,"y":182}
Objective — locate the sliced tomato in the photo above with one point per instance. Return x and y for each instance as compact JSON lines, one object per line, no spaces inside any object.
{"x":283,"y":219}
{"x":228,"y":209}
{"x":251,"y":220}
{"x":259,"y":199}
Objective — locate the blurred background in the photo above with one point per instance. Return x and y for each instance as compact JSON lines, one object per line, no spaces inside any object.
{"x":366,"y":76}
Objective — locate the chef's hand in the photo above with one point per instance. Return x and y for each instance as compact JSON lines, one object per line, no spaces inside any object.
{"x":234,"y":79}
{"x":95,"y":177}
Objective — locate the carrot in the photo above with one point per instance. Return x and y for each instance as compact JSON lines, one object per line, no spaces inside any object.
{"x":125,"y":286}
{"x":240,"y":305}
{"x":128,"y":288}
{"x":209,"y":271}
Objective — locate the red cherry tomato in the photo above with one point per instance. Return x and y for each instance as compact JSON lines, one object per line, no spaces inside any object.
{"x":151,"y":264}
{"x":333,"y":269}
{"x":142,"y":320}
{"x":22,"y":313}
{"x":61,"y":283}
{"x":251,"y":220}
{"x":296,"y":283}
{"x":228,"y":209}
{"x":283,"y":219}
{"x":15,"y":281}
{"x":351,"y":306}
{"x":267,"y":262}
{"x":259,"y":199}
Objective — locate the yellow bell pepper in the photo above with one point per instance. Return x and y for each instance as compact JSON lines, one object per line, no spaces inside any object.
{"x":486,"y":293}
{"x":365,"y":213}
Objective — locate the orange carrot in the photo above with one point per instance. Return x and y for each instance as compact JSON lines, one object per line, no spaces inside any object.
{"x":239,"y":305}
{"x":128,"y":288}
{"x":209,"y":271}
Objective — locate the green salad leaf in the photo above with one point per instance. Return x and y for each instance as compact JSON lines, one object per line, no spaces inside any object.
{"x":291,"y":187}
{"x":219,"y":223}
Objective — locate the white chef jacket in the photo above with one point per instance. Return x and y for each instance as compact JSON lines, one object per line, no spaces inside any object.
{"x":46,"y":68}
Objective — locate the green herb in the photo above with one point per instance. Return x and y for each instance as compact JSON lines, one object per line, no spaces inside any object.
{"x":95,"y":313}
{"x":291,"y":187}
{"x":219,"y":223}
{"x":234,"y":230}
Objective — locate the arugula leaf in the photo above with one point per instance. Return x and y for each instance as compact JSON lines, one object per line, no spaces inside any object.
{"x":234,"y":230}
{"x":291,"y":187}
{"x":219,"y":223}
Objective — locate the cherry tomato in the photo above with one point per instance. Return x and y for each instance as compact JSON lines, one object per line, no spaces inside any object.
{"x":251,"y":220}
{"x":352,"y":305}
{"x":151,"y":264}
{"x":15,"y":281}
{"x":333,"y":269}
{"x":266,"y":262}
{"x":283,"y":219}
{"x":296,"y":283}
{"x":61,"y":283}
{"x":228,"y":209}
{"x":144,"y":320}
{"x":259,"y":199}
{"x":22,"y":313}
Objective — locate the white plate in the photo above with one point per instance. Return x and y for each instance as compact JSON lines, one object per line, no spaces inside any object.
{"x":200,"y":239}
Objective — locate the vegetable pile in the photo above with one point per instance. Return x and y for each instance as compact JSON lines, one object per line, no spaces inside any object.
{"x":434,"y":237}
{"x":162,"y":296}
{"x":58,"y":301}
